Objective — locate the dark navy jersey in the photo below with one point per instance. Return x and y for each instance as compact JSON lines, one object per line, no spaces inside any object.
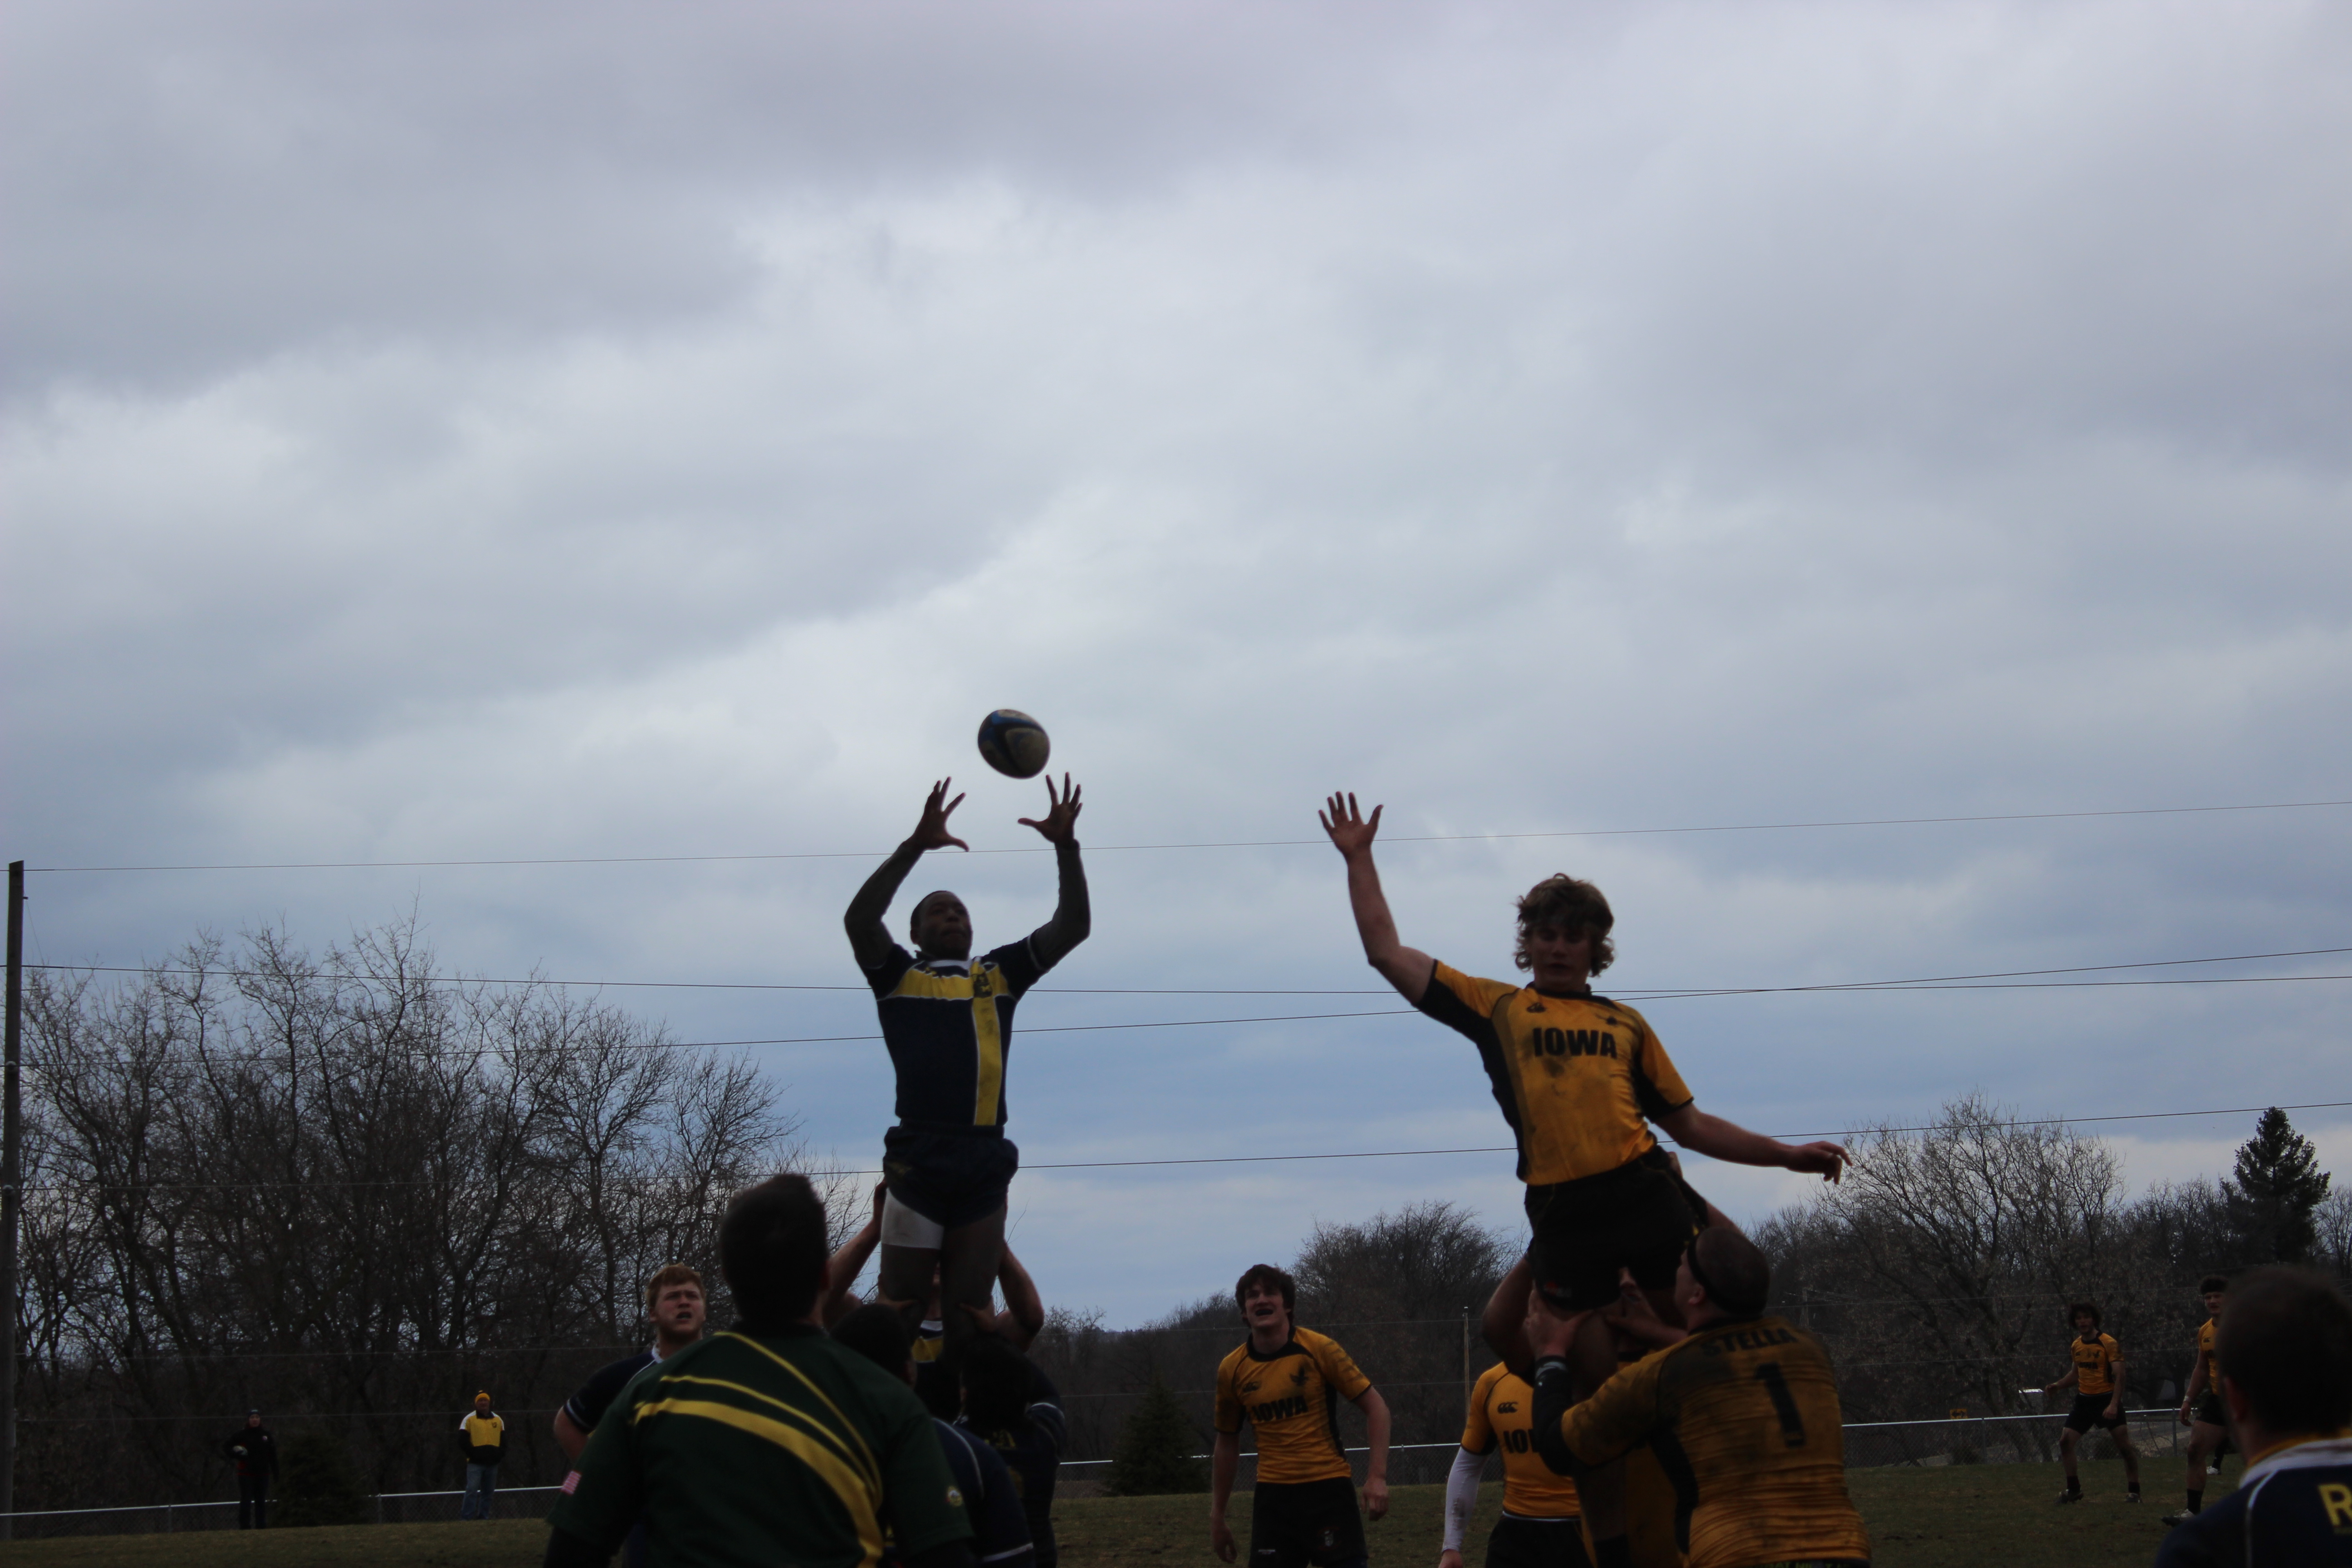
{"x":2292,"y":1509}
{"x":948,"y":1028}
{"x":991,"y":1499}
{"x":1034,"y":1454}
{"x":596,"y":1396}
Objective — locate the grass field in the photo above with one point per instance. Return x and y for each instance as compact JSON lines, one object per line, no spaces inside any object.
{"x":1945,"y":1517}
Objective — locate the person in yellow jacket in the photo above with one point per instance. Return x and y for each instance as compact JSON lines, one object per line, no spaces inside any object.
{"x":483,"y":1436}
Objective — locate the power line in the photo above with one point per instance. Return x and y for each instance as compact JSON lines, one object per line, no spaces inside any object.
{"x":49,"y":1059}
{"x":1206,"y":1158}
{"x":1227,"y":844}
{"x":1650,"y":994}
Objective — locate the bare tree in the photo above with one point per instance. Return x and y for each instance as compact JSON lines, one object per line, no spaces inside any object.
{"x":337,"y":1187}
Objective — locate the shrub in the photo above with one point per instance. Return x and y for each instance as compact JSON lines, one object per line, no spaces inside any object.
{"x":1156,"y":1449}
{"x":321,"y":1487}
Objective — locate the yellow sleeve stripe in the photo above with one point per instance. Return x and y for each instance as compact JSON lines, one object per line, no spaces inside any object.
{"x":864,"y":1456}
{"x":859,"y":1498}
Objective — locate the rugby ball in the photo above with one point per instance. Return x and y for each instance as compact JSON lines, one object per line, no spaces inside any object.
{"x":1014,"y":743}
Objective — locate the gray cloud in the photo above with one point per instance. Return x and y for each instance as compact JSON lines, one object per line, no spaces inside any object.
{"x":437,"y":435}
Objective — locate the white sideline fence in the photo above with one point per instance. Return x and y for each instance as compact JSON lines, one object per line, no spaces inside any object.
{"x":1946,"y":1440}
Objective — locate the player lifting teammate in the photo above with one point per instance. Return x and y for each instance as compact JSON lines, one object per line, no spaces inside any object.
{"x":1579,"y":1079}
{"x":947,"y":1019}
{"x":1539,"y":1526}
{"x":1742,"y":1413}
{"x":1287,"y":1381}
{"x":2097,"y":1379}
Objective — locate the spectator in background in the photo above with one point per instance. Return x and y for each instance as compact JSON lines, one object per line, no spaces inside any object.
{"x":2283,"y":1347}
{"x":483,"y":1436}
{"x":256,"y":1453}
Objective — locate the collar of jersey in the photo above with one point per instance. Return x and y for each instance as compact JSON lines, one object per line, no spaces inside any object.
{"x":2296,"y":1453}
{"x":1280,"y":1351}
{"x":953,"y":966}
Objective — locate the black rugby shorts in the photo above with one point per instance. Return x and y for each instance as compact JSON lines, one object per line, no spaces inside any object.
{"x":1536,"y":1544}
{"x":1306,"y":1524}
{"x":1640,"y":1216}
{"x":950,"y":1178}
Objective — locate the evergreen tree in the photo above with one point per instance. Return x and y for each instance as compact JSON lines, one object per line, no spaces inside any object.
{"x":2276,"y":1186}
{"x":321,"y":1487}
{"x":1158,"y":1449}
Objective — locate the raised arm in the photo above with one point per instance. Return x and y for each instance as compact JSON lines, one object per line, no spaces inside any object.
{"x":1694,"y":1130}
{"x":1351,"y":832}
{"x":868,"y":937}
{"x":1073,"y":919}
{"x":849,"y":1262}
{"x":1025,"y":1311}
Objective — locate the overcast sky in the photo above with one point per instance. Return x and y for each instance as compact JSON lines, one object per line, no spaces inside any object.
{"x":486,"y":431}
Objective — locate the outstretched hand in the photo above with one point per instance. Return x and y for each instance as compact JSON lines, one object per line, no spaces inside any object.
{"x":931,"y":832}
{"x":1351,"y":832}
{"x":1827,"y":1161}
{"x":1060,"y":825}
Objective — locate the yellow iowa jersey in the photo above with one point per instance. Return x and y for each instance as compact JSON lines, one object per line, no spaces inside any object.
{"x":1580,"y":1079}
{"x":2094,"y":1360}
{"x":1502,"y":1413}
{"x":1291,"y":1398}
{"x":1744,"y":1421}
{"x":2205,"y":1337}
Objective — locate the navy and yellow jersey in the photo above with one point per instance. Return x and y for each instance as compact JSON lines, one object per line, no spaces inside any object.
{"x":769,"y":1448}
{"x":1743,"y":1419}
{"x":991,"y":1499}
{"x":1502,"y":1414}
{"x":1291,"y":1397}
{"x":2095,"y":1361}
{"x":2212,"y":1364}
{"x":948,"y":1028}
{"x":1580,"y":1079}
{"x":2293,"y":1506}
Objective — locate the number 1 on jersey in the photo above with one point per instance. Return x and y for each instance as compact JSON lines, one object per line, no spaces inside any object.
{"x":1784,"y":1404}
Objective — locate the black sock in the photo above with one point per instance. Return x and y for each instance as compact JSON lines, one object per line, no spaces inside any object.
{"x":2196,"y":1502}
{"x":2073,"y":1486}
{"x":1617,"y":1551}
{"x":2132,"y":1486}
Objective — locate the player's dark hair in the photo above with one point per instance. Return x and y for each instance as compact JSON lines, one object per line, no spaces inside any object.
{"x":879,"y":1333}
{"x":771,"y":1251}
{"x":2082,"y":1309}
{"x":1571,"y":905}
{"x":667,"y":1275}
{"x":2213,"y":1282}
{"x":996,"y":1384}
{"x":2285,"y":1340}
{"x":1731,"y":1269}
{"x":1266,"y":1274}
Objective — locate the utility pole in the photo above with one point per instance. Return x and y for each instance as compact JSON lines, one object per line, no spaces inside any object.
{"x":12,"y":1182}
